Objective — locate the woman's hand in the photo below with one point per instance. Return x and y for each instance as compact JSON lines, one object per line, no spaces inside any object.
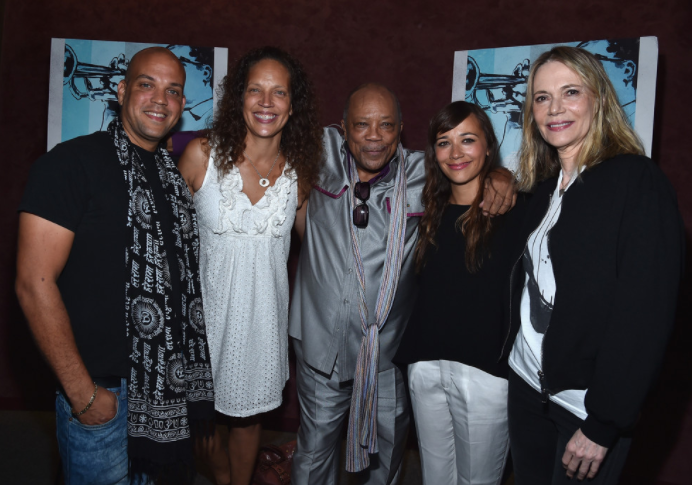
{"x":583,"y":456}
{"x":499,"y":193}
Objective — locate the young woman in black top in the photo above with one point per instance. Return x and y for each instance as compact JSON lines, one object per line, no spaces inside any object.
{"x":455,"y":337}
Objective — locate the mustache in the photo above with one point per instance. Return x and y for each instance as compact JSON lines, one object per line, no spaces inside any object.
{"x":373,"y":148}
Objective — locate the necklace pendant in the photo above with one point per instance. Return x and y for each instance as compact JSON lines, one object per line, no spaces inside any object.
{"x":264,"y":182}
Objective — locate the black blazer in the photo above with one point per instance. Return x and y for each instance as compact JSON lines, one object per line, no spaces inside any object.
{"x":617,"y":252}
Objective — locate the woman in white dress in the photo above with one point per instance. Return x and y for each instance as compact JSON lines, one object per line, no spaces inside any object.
{"x":250,"y":179}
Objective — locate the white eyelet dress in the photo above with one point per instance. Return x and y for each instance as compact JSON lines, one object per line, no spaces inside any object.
{"x":243,"y":257}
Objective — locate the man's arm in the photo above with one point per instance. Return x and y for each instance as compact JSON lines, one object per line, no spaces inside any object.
{"x":43,"y":249}
{"x":499,"y":193}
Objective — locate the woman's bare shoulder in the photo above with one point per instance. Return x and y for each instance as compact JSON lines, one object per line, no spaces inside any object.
{"x":194,"y":162}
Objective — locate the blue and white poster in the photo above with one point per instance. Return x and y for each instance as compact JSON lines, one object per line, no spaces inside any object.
{"x":85,"y":76}
{"x":495,"y":79}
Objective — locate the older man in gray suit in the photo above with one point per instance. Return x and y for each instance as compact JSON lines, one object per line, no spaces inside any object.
{"x":354,"y":292}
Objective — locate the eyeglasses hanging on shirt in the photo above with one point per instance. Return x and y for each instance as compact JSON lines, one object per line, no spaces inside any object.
{"x":361,"y":212}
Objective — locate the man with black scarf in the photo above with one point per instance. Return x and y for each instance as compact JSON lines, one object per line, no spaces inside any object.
{"x":107,"y":276}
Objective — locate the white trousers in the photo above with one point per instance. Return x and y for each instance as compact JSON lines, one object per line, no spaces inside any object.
{"x":461,"y":421}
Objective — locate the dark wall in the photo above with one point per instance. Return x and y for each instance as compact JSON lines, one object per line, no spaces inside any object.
{"x":408,"y":46}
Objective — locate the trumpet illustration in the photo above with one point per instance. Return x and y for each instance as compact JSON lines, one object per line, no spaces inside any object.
{"x":98,"y":82}
{"x":508,"y":85}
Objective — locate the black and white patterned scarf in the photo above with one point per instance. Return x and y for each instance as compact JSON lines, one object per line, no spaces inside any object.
{"x":170,"y":388}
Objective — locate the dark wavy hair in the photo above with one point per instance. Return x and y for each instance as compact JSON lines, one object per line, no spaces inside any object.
{"x":474,"y":225}
{"x":301,"y":138}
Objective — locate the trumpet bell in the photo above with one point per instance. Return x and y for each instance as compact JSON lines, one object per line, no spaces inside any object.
{"x":73,"y":70}
{"x":476,"y":80}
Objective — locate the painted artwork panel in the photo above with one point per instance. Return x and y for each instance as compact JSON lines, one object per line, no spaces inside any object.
{"x":85,"y":76}
{"x":495,"y":79}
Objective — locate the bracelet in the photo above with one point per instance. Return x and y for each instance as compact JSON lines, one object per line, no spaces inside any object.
{"x":91,"y":401}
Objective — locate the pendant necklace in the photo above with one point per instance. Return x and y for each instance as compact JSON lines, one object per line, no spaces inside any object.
{"x":263,"y":181}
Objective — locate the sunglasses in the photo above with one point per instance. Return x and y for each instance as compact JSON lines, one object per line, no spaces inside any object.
{"x":361,"y":212}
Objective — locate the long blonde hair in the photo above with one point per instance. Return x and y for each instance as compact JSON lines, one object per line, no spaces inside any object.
{"x":609,"y":134}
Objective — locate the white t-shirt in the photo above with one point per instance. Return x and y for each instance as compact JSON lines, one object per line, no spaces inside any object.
{"x":537,"y":306}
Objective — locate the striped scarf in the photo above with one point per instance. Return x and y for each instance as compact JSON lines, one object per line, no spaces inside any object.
{"x":362,"y":422}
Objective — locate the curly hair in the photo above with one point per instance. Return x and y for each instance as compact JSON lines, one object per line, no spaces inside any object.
{"x":475,"y":227}
{"x":301,"y":137}
{"x":609,"y":134}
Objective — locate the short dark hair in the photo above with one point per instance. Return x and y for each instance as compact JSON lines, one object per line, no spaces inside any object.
{"x":364,"y":85}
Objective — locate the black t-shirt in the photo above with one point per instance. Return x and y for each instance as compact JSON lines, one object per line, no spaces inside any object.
{"x":80,"y":185}
{"x":459,"y":316}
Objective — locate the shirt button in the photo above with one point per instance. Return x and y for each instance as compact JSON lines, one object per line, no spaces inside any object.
{"x":350,"y":270}
{"x":345,"y":302}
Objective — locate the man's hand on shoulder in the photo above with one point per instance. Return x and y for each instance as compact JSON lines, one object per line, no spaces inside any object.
{"x":499,"y":193}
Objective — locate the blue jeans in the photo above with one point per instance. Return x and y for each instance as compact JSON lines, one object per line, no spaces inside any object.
{"x":94,"y":455}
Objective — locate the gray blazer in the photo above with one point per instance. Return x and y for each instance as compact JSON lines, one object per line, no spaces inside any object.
{"x":324,"y":308}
